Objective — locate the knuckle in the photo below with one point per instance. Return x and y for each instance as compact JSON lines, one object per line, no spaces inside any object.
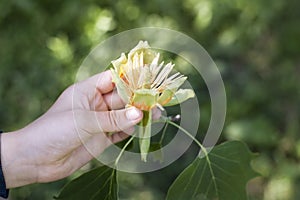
{"x":113,"y":120}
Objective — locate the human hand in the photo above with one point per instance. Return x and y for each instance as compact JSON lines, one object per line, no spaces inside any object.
{"x":52,"y":147}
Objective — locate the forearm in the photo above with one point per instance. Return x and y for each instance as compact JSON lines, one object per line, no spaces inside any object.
{"x":16,"y":168}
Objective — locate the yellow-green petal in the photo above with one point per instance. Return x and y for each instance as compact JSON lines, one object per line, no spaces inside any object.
{"x":122,"y":90}
{"x":165,"y":97}
{"x":120,"y":61}
{"x":144,"y":99}
{"x":181,"y":96}
{"x":143,"y":47}
{"x":176,"y":84}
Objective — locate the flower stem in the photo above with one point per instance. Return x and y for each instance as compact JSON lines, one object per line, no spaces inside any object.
{"x":190,"y":135}
{"x":145,"y":134}
{"x":123,"y":149}
{"x":163,"y":134}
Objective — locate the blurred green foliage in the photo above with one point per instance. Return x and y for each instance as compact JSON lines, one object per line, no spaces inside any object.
{"x":256,"y":45}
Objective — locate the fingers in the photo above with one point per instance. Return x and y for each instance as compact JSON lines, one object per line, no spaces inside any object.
{"x":156,"y":113}
{"x":107,"y":121}
{"x":87,"y":151}
{"x":102,"y":82}
{"x":110,"y":121}
{"x":117,"y":137}
{"x":95,"y":146}
{"x":113,"y":100}
{"x":119,"y":120}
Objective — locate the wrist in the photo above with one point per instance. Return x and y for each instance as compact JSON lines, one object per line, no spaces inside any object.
{"x":16,"y":169}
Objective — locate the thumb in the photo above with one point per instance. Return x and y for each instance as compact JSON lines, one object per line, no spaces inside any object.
{"x":118,"y":120}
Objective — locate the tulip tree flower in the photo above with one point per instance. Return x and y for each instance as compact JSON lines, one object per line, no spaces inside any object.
{"x":145,"y":83}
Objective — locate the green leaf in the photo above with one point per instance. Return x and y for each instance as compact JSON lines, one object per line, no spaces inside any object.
{"x":99,"y":183}
{"x":222,"y":175}
{"x":180,"y":96}
{"x":145,"y":134}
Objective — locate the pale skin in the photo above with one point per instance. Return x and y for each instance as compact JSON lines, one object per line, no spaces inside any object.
{"x":67,"y":136}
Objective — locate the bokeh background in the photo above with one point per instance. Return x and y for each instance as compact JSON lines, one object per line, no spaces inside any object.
{"x":255,"y":44}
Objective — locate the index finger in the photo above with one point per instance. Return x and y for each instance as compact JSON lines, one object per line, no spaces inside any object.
{"x":102,"y":82}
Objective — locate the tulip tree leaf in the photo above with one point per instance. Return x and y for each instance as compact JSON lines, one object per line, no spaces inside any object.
{"x":99,"y":183}
{"x":180,"y":96}
{"x":222,"y":175}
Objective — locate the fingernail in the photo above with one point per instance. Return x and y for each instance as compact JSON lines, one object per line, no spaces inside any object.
{"x":133,"y":114}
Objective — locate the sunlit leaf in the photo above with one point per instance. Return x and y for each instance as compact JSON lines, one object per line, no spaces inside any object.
{"x":221,"y":175}
{"x":99,"y":183}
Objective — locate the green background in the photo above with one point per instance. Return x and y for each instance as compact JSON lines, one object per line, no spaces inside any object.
{"x":255,"y":44}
